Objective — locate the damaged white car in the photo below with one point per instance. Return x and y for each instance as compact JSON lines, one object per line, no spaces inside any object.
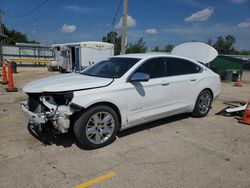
{"x":119,"y":93}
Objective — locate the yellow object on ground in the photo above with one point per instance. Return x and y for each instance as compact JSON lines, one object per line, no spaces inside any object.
{"x":96,"y":180}
{"x":31,"y":60}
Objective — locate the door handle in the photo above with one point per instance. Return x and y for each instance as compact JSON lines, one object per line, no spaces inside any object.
{"x":193,"y":79}
{"x":165,"y":84}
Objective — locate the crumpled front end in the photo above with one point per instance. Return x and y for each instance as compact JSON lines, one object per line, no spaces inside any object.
{"x":42,"y":108}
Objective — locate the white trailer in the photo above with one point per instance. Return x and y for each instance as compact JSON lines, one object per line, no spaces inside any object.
{"x":71,"y":57}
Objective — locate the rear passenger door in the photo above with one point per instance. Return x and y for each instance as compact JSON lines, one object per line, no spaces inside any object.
{"x":183,"y":76}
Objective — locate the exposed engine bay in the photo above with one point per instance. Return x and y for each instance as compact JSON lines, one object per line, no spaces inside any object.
{"x":50,"y":107}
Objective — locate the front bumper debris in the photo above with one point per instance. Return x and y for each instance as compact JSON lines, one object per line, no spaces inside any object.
{"x":33,"y":117}
{"x":57,"y":115}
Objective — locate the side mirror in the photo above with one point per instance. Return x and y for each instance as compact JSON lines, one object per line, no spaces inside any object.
{"x":139,"y":77}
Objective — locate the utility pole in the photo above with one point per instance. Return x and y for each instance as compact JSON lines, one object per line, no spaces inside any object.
{"x":1,"y":21}
{"x":124,"y":26}
{"x":1,"y":35}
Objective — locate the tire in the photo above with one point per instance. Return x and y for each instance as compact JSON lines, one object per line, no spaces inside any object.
{"x":92,"y":131}
{"x":49,"y":68}
{"x":61,"y":70}
{"x":203,"y":104}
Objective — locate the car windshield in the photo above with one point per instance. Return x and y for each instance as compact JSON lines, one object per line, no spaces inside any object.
{"x":111,"y":68}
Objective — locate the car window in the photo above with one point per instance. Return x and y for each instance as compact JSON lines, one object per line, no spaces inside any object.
{"x":177,"y":66}
{"x":111,"y":68}
{"x":155,"y":67}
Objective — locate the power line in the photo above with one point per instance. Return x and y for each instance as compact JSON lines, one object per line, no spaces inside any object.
{"x":113,"y":24}
{"x":113,"y":20}
{"x":42,"y":15}
{"x":29,"y":12}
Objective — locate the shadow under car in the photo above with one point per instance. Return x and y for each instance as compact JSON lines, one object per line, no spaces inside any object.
{"x":49,"y":137}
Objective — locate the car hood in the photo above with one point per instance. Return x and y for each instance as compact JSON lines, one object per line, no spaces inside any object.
{"x":66,"y":82}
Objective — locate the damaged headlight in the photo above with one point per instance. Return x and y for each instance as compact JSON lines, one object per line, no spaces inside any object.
{"x":68,"y":97}
{"x":63,"y":98}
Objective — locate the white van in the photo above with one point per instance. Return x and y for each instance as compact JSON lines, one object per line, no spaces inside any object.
{"x":74,"y":57}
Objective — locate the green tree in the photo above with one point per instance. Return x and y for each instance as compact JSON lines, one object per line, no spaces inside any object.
{"x":229,"y":42}
{"x":225,"y":45}
{"x":112,"y":37}
{"x":210,"y":42}
{"x":33,"y":42}
{"x":168,"y":48}
{"x":14,"y":36}
{"x":244,"y":52}
{"x":137,"y":47}
{"x":219,"y":44}
{"x":156,"y":49}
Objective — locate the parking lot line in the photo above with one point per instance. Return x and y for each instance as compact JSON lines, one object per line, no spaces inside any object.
{"x":96,"y":180}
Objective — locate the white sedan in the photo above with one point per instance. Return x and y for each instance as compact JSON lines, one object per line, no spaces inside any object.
{"x":119,"y":93}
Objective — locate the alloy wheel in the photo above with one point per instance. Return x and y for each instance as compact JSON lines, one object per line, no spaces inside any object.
{"x":204,"y":103}
{"x":100,"y":127}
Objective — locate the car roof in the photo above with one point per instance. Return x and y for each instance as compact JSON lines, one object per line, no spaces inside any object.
{"x":153,"y":54}
{"x":141,"y":55}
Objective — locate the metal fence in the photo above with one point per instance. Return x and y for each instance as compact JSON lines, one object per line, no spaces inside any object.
{"x":23,"y":50}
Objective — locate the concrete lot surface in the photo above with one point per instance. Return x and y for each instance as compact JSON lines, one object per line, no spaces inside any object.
{"x":174,"y":152}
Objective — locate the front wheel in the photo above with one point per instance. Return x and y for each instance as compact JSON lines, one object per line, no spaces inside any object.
{"x":97,"y":127}
{"x":203,"y":104}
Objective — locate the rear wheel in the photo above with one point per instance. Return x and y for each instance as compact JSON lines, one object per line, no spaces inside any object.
{"x":203,"y":104}
{"x":97,"y":127}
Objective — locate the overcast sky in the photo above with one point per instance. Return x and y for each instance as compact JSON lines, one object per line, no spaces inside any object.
{"x":158,"y":21}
